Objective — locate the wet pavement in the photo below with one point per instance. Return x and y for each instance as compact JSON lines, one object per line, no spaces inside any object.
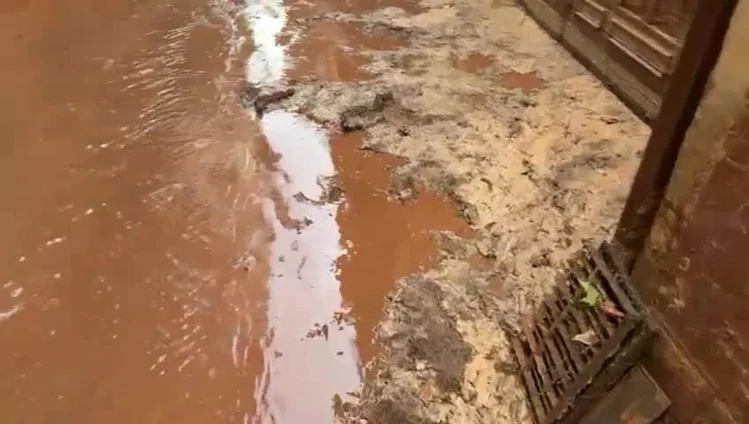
{"x":166,"y":258}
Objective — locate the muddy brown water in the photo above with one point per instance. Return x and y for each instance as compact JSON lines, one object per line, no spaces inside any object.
{"x":158,"y":263}
{"x":331,"y":51}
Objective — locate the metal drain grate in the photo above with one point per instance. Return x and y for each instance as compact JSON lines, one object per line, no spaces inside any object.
{"x":583,"y":338}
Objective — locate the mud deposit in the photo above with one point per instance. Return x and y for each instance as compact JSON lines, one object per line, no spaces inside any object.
{"x":169,"y":256}
{"x":486,"y":109}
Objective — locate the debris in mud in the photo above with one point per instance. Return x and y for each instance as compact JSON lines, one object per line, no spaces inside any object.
{"x":340,"y":407}
{"x":346,"y":106}
{"x":485,"y":247}
{"x":343,"y":317}
{"x":319,"y":331}
{"x":260,"y":99}
{"x":303,"y":223}
{"x":469,"y":211}
{"x":588,"y":338}
{"x":333,"y":193}
{"x":591,"y":295}
{"x":541,"y":259}
{"x":301,"y":197}
{"x":610,"y":309}
{"x":339,"y":320}
{"x":365,"y":116}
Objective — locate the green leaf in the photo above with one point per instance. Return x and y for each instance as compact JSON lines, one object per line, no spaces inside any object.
{"x":592,"y":295}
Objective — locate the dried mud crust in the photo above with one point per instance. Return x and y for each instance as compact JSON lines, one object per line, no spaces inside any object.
{"x":490,"y":111}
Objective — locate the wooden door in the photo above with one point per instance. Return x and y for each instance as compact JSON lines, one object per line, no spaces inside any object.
{"x":633,"y":45}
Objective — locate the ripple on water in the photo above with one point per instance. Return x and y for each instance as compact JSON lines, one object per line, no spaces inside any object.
{"x":128,"y":221}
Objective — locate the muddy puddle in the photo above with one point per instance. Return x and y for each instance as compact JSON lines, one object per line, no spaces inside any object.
{"x":330,"y":51}
{"x":339,"y":240}
{"x":387,"y":239}
{"x":166,"y":256}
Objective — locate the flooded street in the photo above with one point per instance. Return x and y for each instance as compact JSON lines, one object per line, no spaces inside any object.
{"x":284,"y":211}
{"x":166,"y":256}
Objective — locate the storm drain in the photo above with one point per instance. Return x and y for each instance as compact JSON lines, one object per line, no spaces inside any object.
{"x":583,"y":338}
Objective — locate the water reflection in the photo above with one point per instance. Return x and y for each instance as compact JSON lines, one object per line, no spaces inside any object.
{"x":311,"y":354}
{"x":266,"y":19}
